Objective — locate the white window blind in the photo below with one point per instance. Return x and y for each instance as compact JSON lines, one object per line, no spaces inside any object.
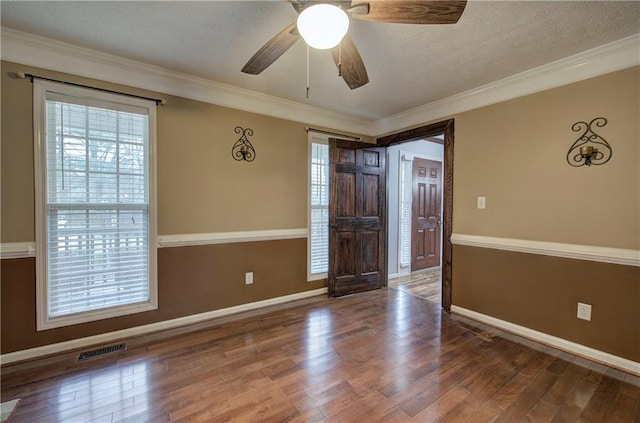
{"x":319,"y":209}
{"x":406,"y":198}
{"x":98,"y":248}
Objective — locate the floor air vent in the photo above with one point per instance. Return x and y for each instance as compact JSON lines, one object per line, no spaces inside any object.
{"x":100,"y":351}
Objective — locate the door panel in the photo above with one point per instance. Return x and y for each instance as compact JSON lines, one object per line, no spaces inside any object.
{"x":369,"y":258}
{"x":371,"y":186}
{"x":371,"y":158}
{"x":346,"y":185}
{"x":346,"y":155}
{"x":427,"y":191}
{"x":357,"y":205}
{"x":345,"y":247}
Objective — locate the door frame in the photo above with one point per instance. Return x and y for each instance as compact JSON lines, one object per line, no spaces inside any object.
{"x":445,"y":127}
{"x":399,"y":223}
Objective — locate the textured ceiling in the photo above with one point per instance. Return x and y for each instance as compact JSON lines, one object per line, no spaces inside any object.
{"x":408,"y":65}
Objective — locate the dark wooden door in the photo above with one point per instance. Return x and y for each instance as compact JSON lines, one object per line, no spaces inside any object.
{"x":357,"y":224}
{"x":426,"y":218}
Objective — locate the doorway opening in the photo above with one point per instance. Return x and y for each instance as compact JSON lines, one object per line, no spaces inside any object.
{"x":415,"y":217}
{"x":438,"y":133}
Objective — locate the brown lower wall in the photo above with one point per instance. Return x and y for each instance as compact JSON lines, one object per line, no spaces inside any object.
{"x":542,"y":292}
{"x":538,"y":292}
{"x":191,"y":280}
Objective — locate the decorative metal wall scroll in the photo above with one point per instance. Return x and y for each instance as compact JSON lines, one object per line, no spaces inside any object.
{"x":590,"y":148}
{"x":242,"y":149}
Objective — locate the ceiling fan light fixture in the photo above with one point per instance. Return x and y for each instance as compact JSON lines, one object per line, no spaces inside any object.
{"x":323,"y":26}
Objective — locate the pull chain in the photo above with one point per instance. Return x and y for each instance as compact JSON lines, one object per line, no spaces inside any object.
{"x":340,"y":59}
{"x":307,"y":71}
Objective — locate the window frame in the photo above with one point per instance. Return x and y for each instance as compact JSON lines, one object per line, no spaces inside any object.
{"x":43,"y":321}
{"x":313,"y":138}
{"x":404,"y":159}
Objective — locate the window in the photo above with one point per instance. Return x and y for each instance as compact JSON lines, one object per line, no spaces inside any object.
{"x":318,"y":237}
{"x":95,"y":204}
{"x":406,"y":199}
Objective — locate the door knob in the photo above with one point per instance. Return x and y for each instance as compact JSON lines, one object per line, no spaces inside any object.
{"x":439,"y":219}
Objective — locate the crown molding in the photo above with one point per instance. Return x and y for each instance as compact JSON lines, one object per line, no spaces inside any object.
{"x":597,"y":61}
{"x":32,"y":50}
{"x":13,"y":250}
{"x":554,"y":249}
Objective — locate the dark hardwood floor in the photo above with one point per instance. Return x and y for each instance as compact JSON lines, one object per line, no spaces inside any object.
{"x":383,"y":355}
{"x":425,"y":284}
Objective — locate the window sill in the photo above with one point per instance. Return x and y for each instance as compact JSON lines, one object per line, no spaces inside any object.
{"x":317,"y":277}
{"x":91,"y":316}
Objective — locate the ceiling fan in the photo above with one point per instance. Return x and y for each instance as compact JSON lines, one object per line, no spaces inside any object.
{"x":345,"y":54}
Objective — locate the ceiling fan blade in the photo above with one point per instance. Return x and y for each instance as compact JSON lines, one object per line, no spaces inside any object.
{"x":272,"y":50}
{"x":410,"y":12}
{"x":350,"y":63}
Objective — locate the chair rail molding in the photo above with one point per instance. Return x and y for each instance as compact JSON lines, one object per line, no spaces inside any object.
{"x":14,"y":250}
{"x":230,"y":237}
{"x":555,"y":249}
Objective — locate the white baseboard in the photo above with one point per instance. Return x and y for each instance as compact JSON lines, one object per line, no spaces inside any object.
{"x":152,"y":327}
{"x":552,"y":341}
{"x":392,"y":276}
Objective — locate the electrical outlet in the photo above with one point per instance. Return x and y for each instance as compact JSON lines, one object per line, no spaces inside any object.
{"x":248,"y":278}
{"x":482,"y":202}
{"x":584,"y":311}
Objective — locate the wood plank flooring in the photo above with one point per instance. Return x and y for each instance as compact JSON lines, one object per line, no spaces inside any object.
{"x":379,"y":356}
{"x":425,"y":284}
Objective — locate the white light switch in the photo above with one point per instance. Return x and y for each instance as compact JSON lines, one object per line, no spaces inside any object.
{"x":482,"y":202}
{"x":248,"y":278}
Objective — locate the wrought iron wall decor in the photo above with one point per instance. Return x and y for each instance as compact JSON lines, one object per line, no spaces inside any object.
{"x":243,"y":149}
{"x":590,"y":148}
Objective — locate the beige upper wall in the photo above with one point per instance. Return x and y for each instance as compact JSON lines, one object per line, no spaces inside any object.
{"x":200,"y":187}
{"x":514,"y":153}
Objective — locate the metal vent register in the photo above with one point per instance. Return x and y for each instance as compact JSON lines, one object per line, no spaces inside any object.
{"x":86,"y":355}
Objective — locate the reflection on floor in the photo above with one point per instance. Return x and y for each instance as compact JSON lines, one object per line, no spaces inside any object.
{"x":378,"y":356}
{"x":423,"y":283}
